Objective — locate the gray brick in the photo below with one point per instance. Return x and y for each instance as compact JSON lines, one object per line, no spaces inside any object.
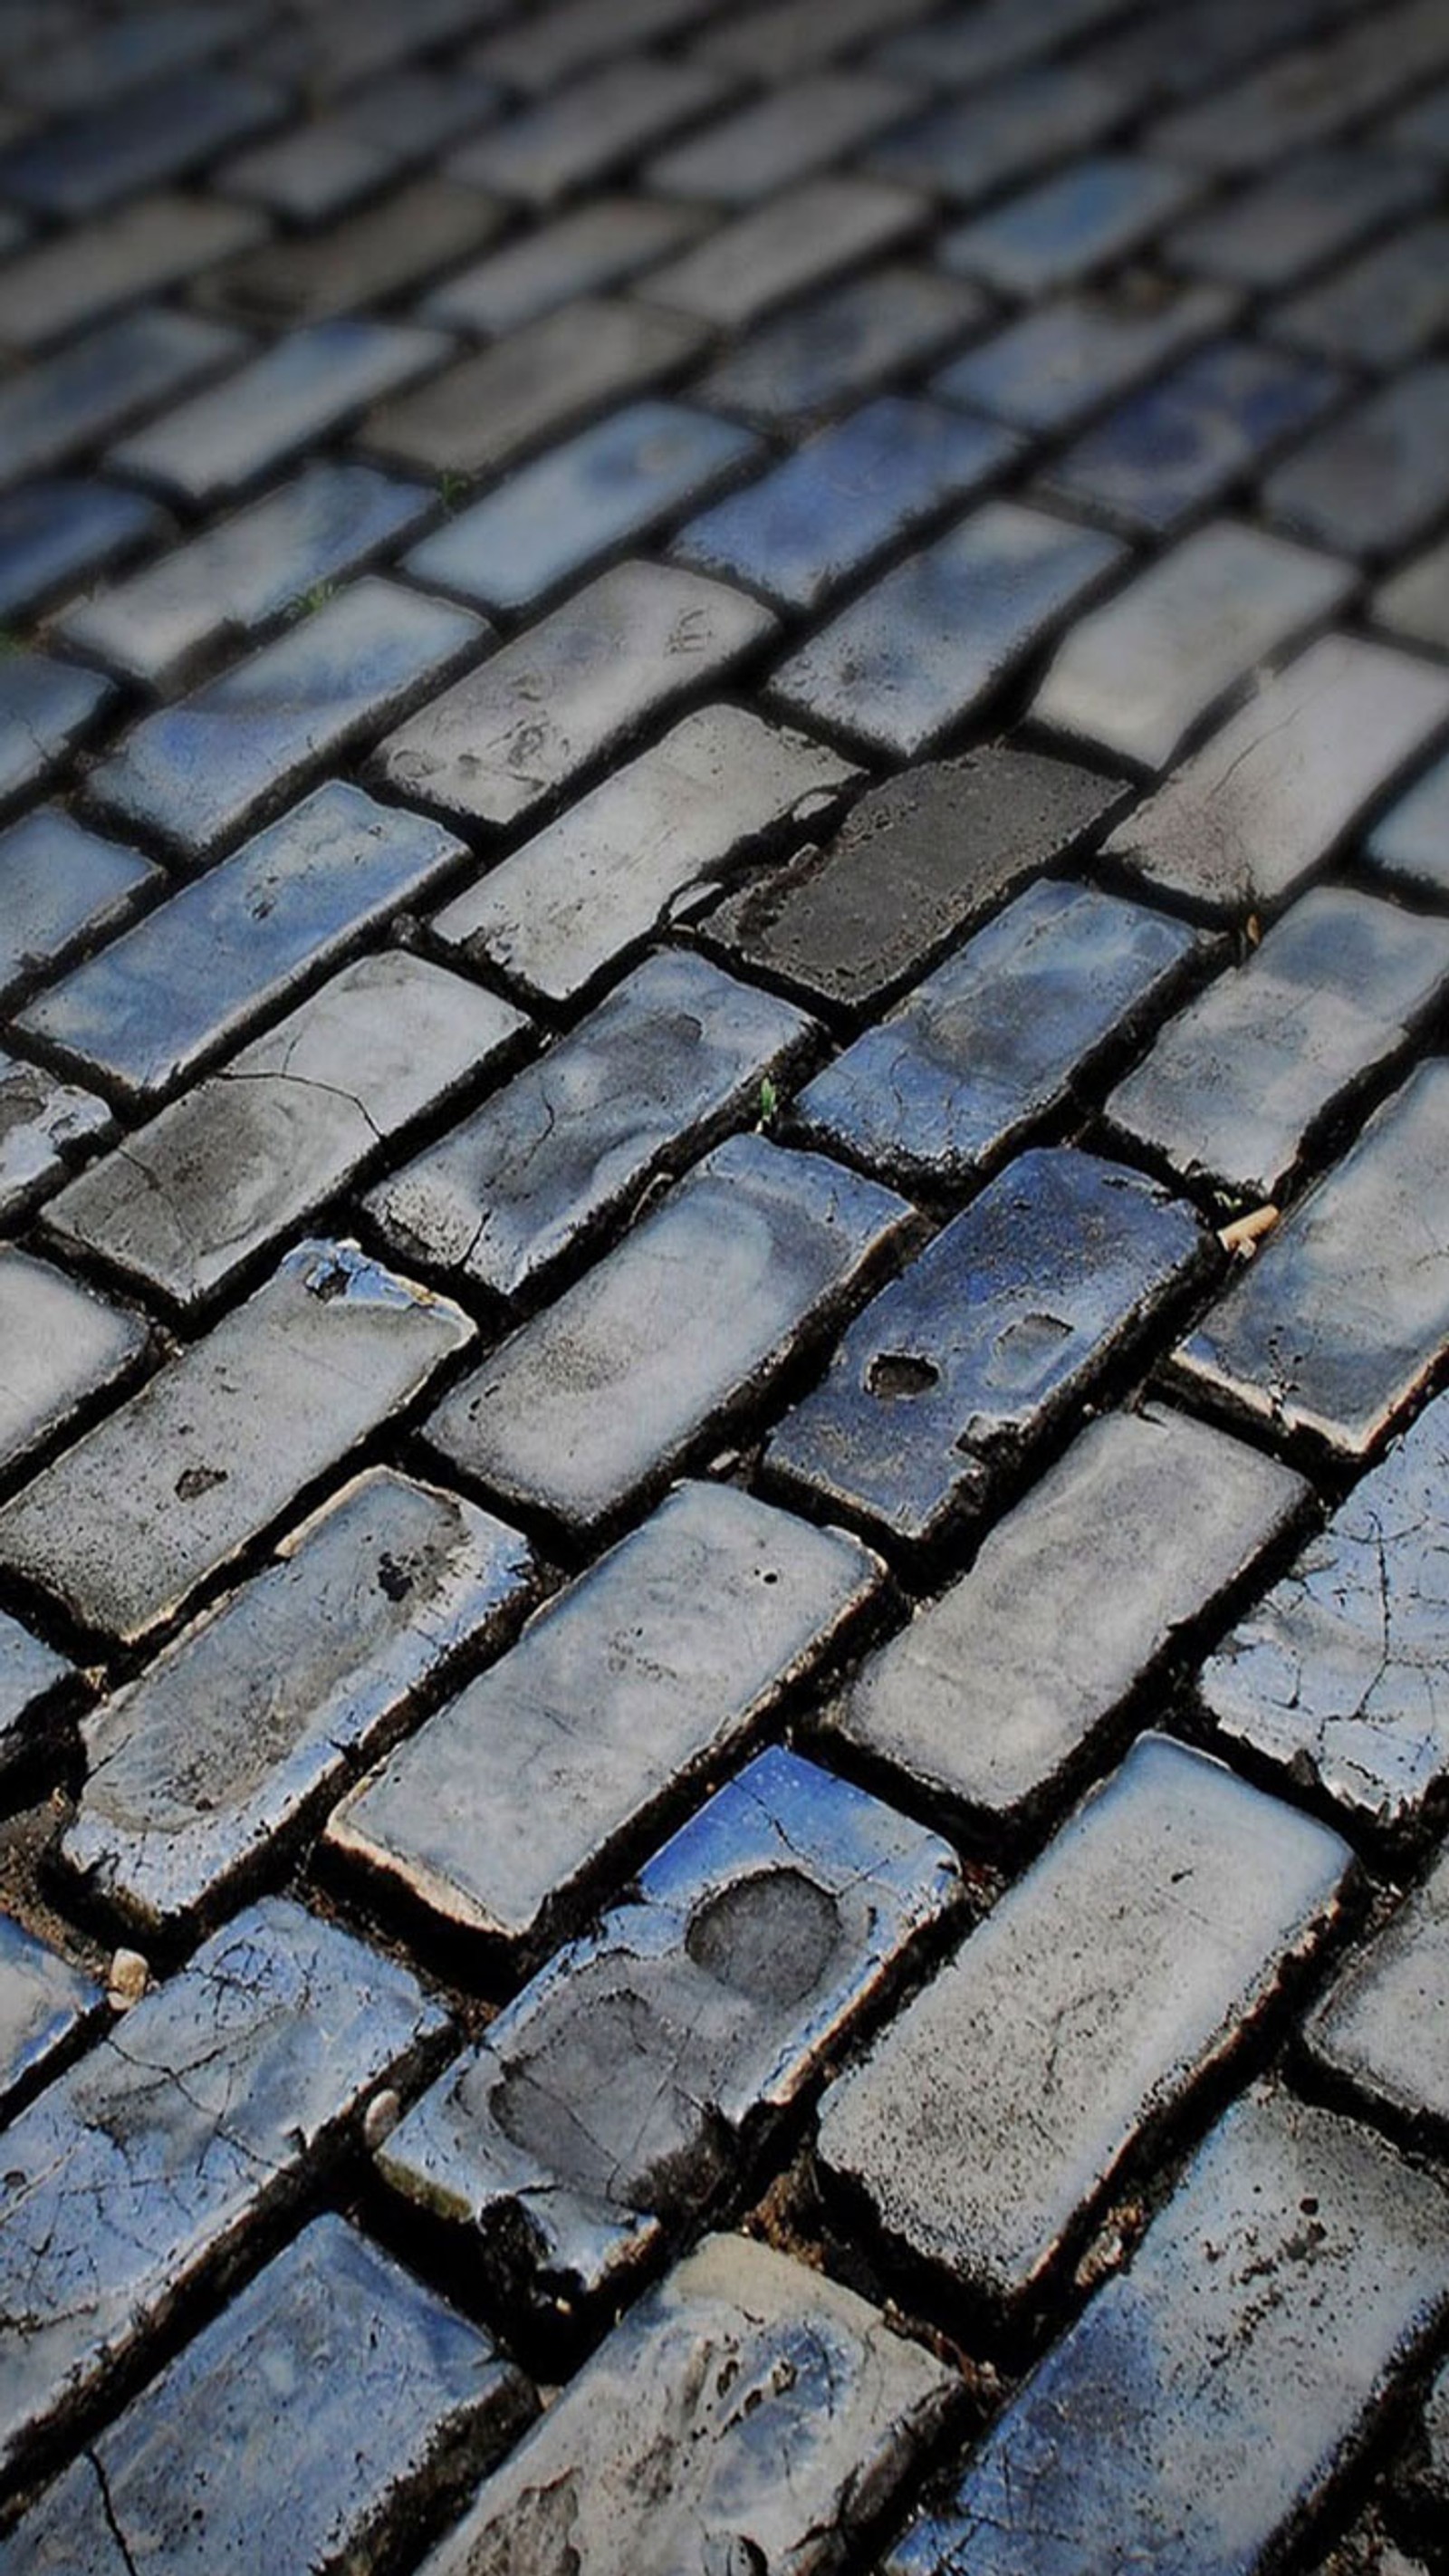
{"x":56,"y":534}
{"x":483,"y":414}
{"x":170,"y":1489}
{"x":596,"y":126}
{"x":1383,"y":2029}
{"x":81,"y":276}
{"x":388,"y":250}
{"x":46,"y":710}
{"x":199,"y":773}
{"x":1128,"y":1542}
{"x":235,"y":1164}
{"x":655,"y":1666}
{"x":983,"y":1345}
{"x":1303,"y":96}
{"x":915,"y":654}
{"x":1055,"y":234}
{"x":60,"y":884}
{"x":1415,"y":602}
{"x":1340,"y":1678}
{"x":32,"y":1678}
{"x":1332,"y":1332}
{"x":185,"y":982}
{"x":551,"y":704}
{"x":307,"y":175}
{"x":1270,"y":795}
{"x":86,"y":70}
{"x":1387,"y":307}
{"x":44,"y":2004}
{"x":1051,"y":369}
{"x":300,"y":390}
{"x":803,"y":126}
{"x":966,"y":46}
{"x":995,"y":1041}
{"x":405,"y":2404}
{"x":974,"y":147}
{"x":138,"y":2174}
{"x":1278,"y":230}
{"x":202,"y":1773}
{"x":244,"y":573}
{"x":992,"y":2115}
{"x":842,"y":345}
{"x":592,"y":886}
{"x":600,"y":1399}
{"x":774,"y":252}
{"x":1373,"y":482}
{"x":1205,"y":2403}
{"x":550,"y":45}
{"x":600,"y":244}
{"x":337,"y":43}
{"x":1184,"y":441}
{"x":916,"y":862}
{"x":616,"y":2095}
{"x":1138,"y":675}
{"x":647,"y":2457}
{"x":554,"y":519}
{"x":674,"y":1055}
{"x":396,"y":122}
{"x":90,"y":162}
{"x":63,"y":1347}
{"x":84,"y":393}
{"x":41,"y":1122}
{"x":1408,"y":847}
{"x":785,"y":37}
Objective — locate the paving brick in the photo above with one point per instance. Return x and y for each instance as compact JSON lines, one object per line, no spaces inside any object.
{"x":87,"y":70}
{"x":197,"y":774}
{"x":338,"y":43}
{"x":1423,"y":126}
{"x":398,"y":121}
{"x":917,"y":861}
{"x":915,"y":654}
{"x":32,"y":1676}
{"x":1206,"y":2402}
{"x":1270,"y":795}
{"x":42,"y":1121}
{"x":1303,"y":96}
{"x":204,"y":1772}
{"x":1146,"y":1523}
{"x":997,"y":1039}
{"x":71,"y":279}
{"x":1058,"y":232}
{"x":551,"y":45}
{"x":254,"y":422}
{"x":654,"y":1666}
{"x":63,"y":1347}
{"x":746,"y":2404}
{"x":574,"y":688}
{"x":1332,"y":1332}
{"x":789,"y":36}
{"x":554,"y":519}
{"x":616,"y":2095}
{"x":233,"y":1165}
{"x":1407,"y":846}
{"x":795,"y":130}
{"x":44,"y":2004}
{"x":1183,"y":442}
{"x":1373,"y":482}
{"x":405,"y":2403}
{"x":970,"y":148}
{"x":1436,"y":2432}
{"x":675,"y":1054}
{"x":54,"y":534}
{"x":73,"y":399}
{"x":1337,"y":1678}
{"x":140,"y":2172}
{"x":600,"y":1399}
{"x":483,"y":414}
{"x":1137,"y":675}
{"x":244,"y":573}
{"x":591,"y":887}
{"x":1051,"y":369}
{"x":90,"y":162}
{"x":1381,"y":2030}
{"x":602,"y":243}
{"x":1237,"y":1084}
{"x":126,"y":1524}
{"x":1387,"y":307}
{"x":968,"y":45}
{"x":822,"y":514}
{"x":591,"y":129}
{"x":983,"y":1344}
{"x":1280,"y":229}
{"x":46,"y":710}
{"x":842,"y":345}
{"x":307,"y":175}
{"x":60,"y":884}
{"x":386,"y":250}
{"x":1415,"y":601}
{"x":795,"y":241}
{"x":1159,"y":1925}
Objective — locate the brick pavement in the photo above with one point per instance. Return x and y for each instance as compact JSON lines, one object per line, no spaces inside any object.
{"x":724,"y":1287}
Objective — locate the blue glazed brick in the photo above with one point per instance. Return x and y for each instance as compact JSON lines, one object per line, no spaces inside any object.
{"x":841,"y":346}
{"x":196,"y":774}
{"x":1273,"y":234}
{"x":983,"y":1342}
{"x":1180,"y":443}
{"x":1410,"y":845}
{"x":185,"y":981}
{"x":1391,"y":304}
{"x":52,"y":534}
{"x":554,"y":519}
{"x":94,"y":160}
{"x":920,"y":650}
{"x":1372,"y":482}
{"x":970,"y":148}
{"x":613,"y":2098}
{"x":73,"y":400}
{"x":993,"y":1041}
{"x":59,"y":883}
{"x":45,"y":709}
{"x":43,"y":2002}
{"x":41,"y":1122}
{"x":1048,"y":371}
{"x":822,"y":514}
{"x":1091,"y":214}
